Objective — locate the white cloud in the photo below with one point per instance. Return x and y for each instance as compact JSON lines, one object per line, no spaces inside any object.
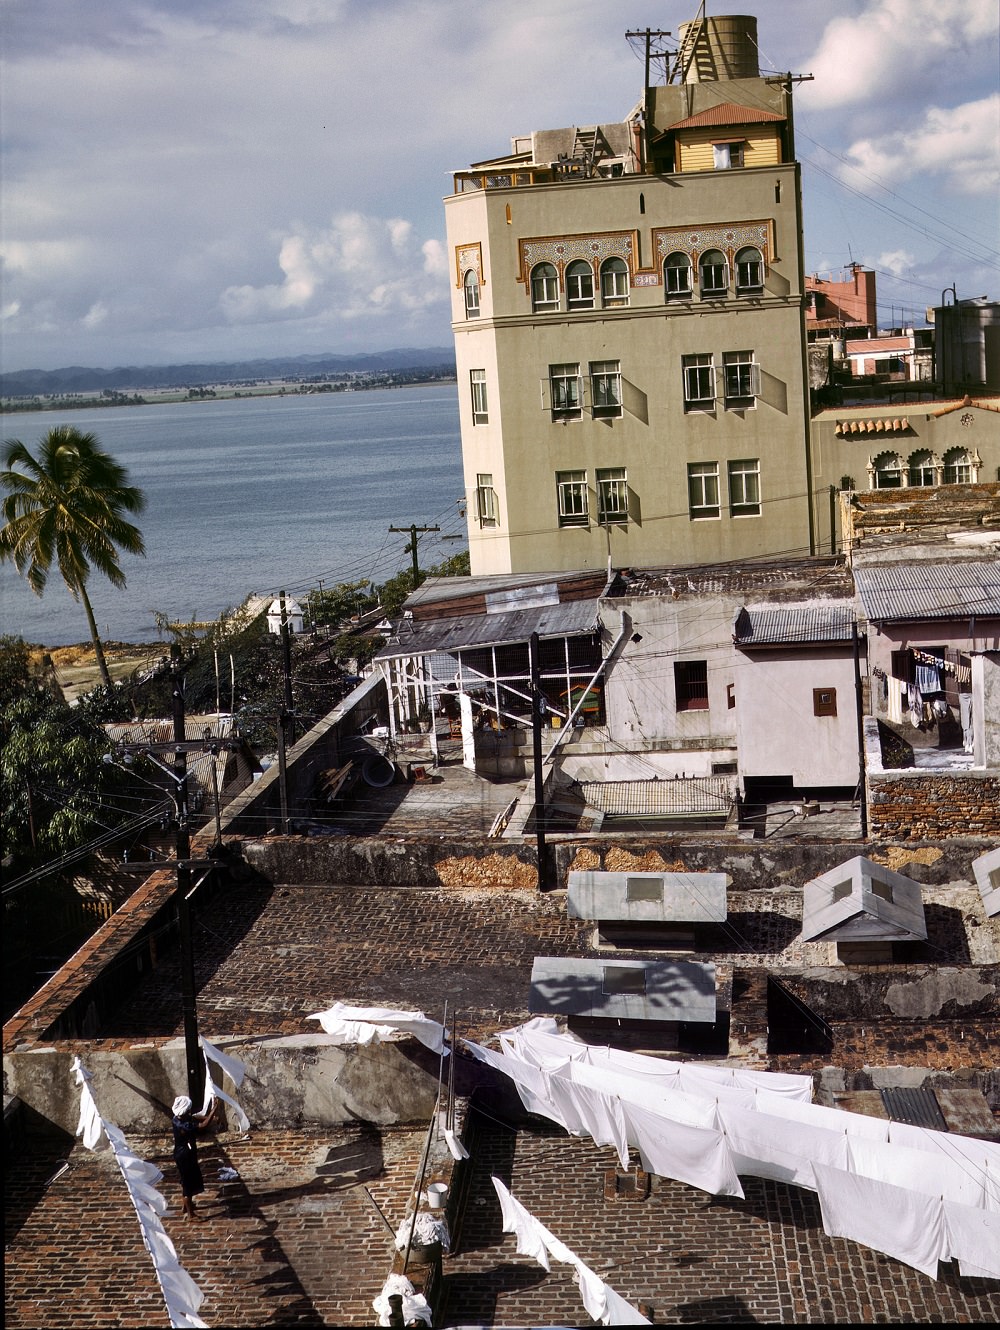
{"x":358,"y":265}
{"x":959,"y":144}
{"x":96,"y":315}
{"x":899,"y":47}
{"x":897,"y":261}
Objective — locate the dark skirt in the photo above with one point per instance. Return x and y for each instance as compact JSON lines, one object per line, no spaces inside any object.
{"x":186,"y":1157}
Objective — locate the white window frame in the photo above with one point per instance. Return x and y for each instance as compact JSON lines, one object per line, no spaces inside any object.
{"x":699,"y":382}
{"x":959,"y":468}
{"x":572,"y":498}
{"x":605,"y":388}
{"x":612,"y":495}
{"x":486,"y":499}
{"x":544,"y":289}
{"x":579,"y":281}
{"x":918,"y":471}
{"x":749,"y":271}
{"x":741,"y":380}
{"x":714,"y":292}
{"x":672,"y":286}
{"x":703,"y":491}
{"x":480,"y":404}
{"x":744,"y":487}
{"x":470,"y":293}
{"x":566,"y":391}
{"x":614,"y":282}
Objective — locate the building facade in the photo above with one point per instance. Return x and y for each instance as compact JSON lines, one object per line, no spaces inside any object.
{"x":628,"y":311}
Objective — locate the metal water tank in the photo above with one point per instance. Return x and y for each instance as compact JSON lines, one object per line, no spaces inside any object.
{"x":719,"y":48}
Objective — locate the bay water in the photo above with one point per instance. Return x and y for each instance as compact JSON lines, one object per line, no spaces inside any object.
{"x":254,"y":495}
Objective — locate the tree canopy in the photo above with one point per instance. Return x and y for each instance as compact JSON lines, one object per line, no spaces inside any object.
{"x":68,"y":506}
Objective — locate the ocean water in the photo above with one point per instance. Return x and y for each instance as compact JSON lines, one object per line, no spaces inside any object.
{"x":252,"y":495}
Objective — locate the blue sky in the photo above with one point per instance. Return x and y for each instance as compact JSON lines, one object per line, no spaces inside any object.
{"x":214,"y":179}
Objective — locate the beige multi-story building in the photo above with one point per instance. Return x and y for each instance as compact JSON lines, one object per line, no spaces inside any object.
{"x":628,"y":311}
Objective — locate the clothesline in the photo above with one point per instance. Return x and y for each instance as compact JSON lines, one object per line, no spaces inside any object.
{"x":710,"y":1132}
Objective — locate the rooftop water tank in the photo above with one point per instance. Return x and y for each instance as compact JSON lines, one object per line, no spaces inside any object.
{"x":719,"y":48}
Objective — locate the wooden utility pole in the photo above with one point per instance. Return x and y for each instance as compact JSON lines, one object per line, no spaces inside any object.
{"x":192,"y":1052}
{"x":414,"y":531}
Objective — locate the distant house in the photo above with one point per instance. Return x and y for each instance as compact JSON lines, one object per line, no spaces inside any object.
{"x":293,"y":614}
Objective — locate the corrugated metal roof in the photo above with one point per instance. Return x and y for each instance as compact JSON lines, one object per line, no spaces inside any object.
{"x":665,"y":991}
{"x":728,"y":113}
{"x":789,"y":626}
{"x":864,"y":902}
{"x":919,"y":1108}
{"x":929,"y":590}
{"x":685,"y":898}
{"x":422,"y":636}
{"x":697,"y":795}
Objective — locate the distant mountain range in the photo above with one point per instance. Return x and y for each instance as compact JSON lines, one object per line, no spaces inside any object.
{"x":79,"y":379}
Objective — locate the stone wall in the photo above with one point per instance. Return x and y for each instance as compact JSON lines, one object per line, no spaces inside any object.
{"x":932,"y":805}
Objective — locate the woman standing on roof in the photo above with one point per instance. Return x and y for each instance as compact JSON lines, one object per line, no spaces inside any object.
{"x":186,"y":1126}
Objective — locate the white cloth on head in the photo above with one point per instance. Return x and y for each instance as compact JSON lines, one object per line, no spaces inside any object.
{"x":880,"y":1215}
{"x":363,"y":1025}
{"x":695,"y":1155}
{"x":182,"y":1104}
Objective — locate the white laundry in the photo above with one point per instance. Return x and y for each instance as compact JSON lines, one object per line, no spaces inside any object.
{"x":817,"y":1115}
{"x":918,"y":1171}
{"x":961,"y":1149}
{"x":532,"y":1082}
{"x":890,"y":1219}
{"x":427,"y":1229}
{"x":233,"y":1067}
{"x":415,"y":1305}
{"x":90,"y":1126}
{"x":213,"y":1092}
{"x":362,"y":1025}
{"x":534,"y":1239}
{"x":767,"y":1147}
{"x":973,"y":1239}
{"x":695,"y":1155}
{"x":455,"y":1146}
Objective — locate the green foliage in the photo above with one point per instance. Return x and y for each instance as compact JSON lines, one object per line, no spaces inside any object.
{"x":393,"y":593}
{"x":56,"y":792}
{"x":68,"y":506}
{"x":337,"y":604}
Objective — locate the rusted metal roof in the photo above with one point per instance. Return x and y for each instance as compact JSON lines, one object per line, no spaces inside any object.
{"x":791,"y":626}
{"x":967,"y":1113}
{"x":728,"y":113}
{"x":420,"y":637}
{"x":924,"y":589}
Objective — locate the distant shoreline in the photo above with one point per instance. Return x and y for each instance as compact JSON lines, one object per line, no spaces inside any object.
{"x":217,"y":392}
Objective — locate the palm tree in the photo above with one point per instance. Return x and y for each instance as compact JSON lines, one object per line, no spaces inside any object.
{"x":68,"y":505}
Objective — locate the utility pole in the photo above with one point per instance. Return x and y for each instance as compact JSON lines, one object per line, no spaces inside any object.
{"x":192,"y":1052}
{"x":286,"y":718}
{"x":859,"y":700}
{"x":538,"y":710}
{"x":414,"y":531}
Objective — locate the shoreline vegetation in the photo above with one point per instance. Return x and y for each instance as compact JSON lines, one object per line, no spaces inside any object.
{"x":286,"y":386}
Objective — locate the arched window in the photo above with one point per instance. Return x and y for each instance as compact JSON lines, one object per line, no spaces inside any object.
{"x":958,"y":469}
{"x":614,"y":282}
{"x":544,"y":288}
{"x":471,"y":287}
{"x":677,"y":276}
{"x":713,"y":271}
{"x":749,"y":271}
{"x":922,"y":468}
{"x":579,"y":285}
{"x":888,"y":471}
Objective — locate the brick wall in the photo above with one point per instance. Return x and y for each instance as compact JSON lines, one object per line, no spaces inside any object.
{"x":932,"y":805}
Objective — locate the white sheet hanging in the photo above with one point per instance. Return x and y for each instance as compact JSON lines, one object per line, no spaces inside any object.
{"x":695,"y":1155}
{"x":818,"y":1115}
{"x":920,"y":1171}
{"x":973,"y":1239}
{"x":778,"y":1148}
{"x":362,"y":1025}
{"x":889,"y":1219}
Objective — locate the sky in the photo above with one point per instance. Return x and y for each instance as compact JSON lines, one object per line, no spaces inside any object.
{"x":193,"y":180}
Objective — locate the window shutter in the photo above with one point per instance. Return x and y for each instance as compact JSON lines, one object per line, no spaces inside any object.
{"x":546,"y":394}
{"x":903,"y":666}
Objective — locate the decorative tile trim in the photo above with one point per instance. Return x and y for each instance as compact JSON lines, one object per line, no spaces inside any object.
{"x":561,"y":250}
{"x":695,"y":240}
{"x":466,"y":257}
